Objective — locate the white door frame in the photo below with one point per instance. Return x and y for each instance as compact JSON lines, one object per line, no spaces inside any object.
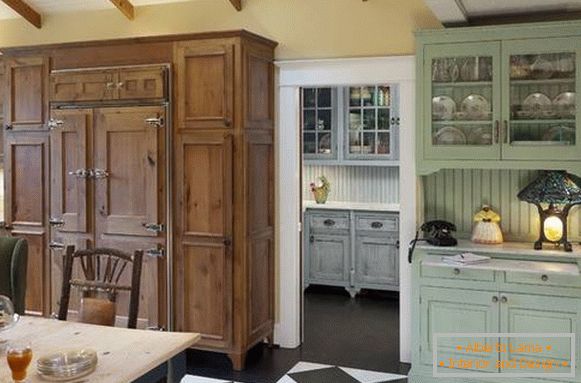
{"x":291,"y":76}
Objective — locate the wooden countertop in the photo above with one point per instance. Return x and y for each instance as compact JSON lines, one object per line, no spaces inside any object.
{"x":124,"y":354}
{"x":345,"y":205}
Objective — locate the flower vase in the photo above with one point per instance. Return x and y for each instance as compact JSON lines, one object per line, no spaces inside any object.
{"x":321,"y":195}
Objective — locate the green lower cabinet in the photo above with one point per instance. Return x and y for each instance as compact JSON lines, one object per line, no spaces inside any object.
{"x":329,"y":259}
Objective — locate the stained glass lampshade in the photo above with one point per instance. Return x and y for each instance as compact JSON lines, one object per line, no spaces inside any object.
{"x":554,"y":193}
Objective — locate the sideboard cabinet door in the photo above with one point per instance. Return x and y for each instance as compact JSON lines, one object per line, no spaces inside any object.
{"x":376,"y":263}
{"x":26,"y":93}
{"x":205,"y":84}
{"x":329,"y":259}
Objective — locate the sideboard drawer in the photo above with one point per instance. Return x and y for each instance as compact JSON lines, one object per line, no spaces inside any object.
{"x":543,"y":279}
{"x":456,"y":272}
{"x":376,"y":223}
{"x":330,"y":222}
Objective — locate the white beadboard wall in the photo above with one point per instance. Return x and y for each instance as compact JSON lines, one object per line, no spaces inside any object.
{"x":456,"y":195}
{"x":364,"y":184}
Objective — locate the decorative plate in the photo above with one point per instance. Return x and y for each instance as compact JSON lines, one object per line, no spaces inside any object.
{"x":480,"y":136}
{"x":476,"y":106}
{"x":560,"y":134}
{"x":449,"y":135}
{"x":542,"y":69}
{"x":537,"y":104}
{"x":565,"y":104}
{"x":443,"y":108}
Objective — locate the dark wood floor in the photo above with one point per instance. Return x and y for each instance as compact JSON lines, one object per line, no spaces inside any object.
{"x":360,"y":333}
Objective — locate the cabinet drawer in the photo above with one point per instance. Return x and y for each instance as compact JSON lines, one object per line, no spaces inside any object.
{"x":376,"y":223}
{"x":329,"y":222}
{"x":83,"y":86}
{"x":456,"y":272}
{"x":543,"y":279}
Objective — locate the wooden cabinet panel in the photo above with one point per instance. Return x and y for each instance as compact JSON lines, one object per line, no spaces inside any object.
{"x":142,"y":83}
{"x":127,"y":157}
{"x":27,"y":92}
{"x":205,"y":85}
{"x":83,"y":86}
{"x":71,"y":158}
{"x":259,"y":100}
{"x":36,"y":277}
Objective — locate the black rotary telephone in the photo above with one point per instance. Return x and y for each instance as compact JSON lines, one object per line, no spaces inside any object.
{"x":436,"y":233}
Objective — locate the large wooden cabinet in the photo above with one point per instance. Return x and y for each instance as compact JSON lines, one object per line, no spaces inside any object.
{"x":99,"y":153}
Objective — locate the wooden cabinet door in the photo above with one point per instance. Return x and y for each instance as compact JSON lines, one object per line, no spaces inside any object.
{"x":142,"y":83}
{"x":126,"y":167}
{"x":203,"y":266}
{"x":329,"y":259}
{"x":523,"y":313}
{"x":205,"y":84}
{"x":83,"y":86}
{"x":26,"y":93}
{"x":376,"y":263}
{"x":26,"y":191}
{"x":446,"y":311}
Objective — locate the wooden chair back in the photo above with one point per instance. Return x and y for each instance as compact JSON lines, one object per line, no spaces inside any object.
{"x":102,"y":269}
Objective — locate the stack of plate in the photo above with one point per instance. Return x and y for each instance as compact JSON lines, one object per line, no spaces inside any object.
{"x":67,"y":365}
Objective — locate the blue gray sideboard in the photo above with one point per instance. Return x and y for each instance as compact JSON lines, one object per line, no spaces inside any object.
{"x":354,"y":246}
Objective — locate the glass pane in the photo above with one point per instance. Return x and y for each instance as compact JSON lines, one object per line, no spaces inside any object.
{"x":309,"y":143}
{"x":325,"y":143}
{"x":355,"y":142}
{"x":473,"y":135}
{"x":324,"y":122}
{"x":462,"y":101}
{"x":383,"y":96}
{"x":369,"y":119}
{"x":324,"y":98}
{"x":368,"y":95}
{"x":383,"y":119}
{"x":542,"y":99}
{"x":309,"y":120}
{"x":309,"y":97}
{"x":354,"y":119}
{"x":355,"y":96}
{"x":368,"y":143}
{"x":383,"y":143}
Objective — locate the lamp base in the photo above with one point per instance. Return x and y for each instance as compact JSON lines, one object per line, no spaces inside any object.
{"x":567,"y":246}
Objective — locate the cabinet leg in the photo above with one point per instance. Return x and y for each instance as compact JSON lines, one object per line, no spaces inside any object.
{"x":238,"y":361}
{"x":270,"y":341}
{"x":352,"y":291}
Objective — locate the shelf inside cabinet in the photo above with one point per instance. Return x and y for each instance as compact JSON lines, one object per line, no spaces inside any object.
{"x":466,"y":123}
{"x":461,"y":83}
{"x":552,"y":81}
{"x":542,"y":121}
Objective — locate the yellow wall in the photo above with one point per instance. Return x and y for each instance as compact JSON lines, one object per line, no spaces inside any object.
{"x":304,"y":28}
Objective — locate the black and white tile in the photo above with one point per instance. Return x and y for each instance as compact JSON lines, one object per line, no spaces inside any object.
{"x":305,"y":372}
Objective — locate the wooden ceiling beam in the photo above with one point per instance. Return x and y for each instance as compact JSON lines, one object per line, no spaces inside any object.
{"x":24,"y":10}
{"x":125,"y":7}
{"x":237,"y":4}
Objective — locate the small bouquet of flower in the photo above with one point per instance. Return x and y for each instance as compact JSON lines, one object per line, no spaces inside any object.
{"x":321,"y":192}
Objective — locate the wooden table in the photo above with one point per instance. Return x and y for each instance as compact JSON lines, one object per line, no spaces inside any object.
{"x":124,"y":355}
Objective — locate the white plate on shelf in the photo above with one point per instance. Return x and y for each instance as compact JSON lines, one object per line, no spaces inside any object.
{"x":476,"y":107}
{"x":443,"y":108}
{"x":542,"y":69}
{"x":565,"y":104}
{"x":449,"y":135}
{"x":537,"y":105}
{"x":480,"y":136}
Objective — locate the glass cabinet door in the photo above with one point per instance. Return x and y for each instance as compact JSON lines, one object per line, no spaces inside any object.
{"x":318,"y":122}
{"x":371,"y":121}
{"x":540,"y":107}
{"x":462,"y":99}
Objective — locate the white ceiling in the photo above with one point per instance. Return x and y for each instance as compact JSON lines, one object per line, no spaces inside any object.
{"x":45,"y":7}
{"x":460,"y":11}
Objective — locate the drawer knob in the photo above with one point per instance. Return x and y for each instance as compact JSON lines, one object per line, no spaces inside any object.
{"x":504,"y":299}
{"x":456,"y":271}
{"x":544,"y":277}
{"x":495,"y":299}
{"x":329,"y":222}
{"x":376,"y":225}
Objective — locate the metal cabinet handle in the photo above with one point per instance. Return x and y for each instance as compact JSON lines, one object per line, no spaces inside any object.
{"x":53,"y":124}
{"x":456,"y":271}
{"x":156,"y":252}
{"x":505,"y":131}
{"x":392,"y":121}
{"x":397,"y":244}
{"x":544,"y":277}
{"x":56,"y":245}
{"x":504,"y":299}
{"x":376,"y":225}
{"x":8,"y":127}
{"x":496,"y":133}
{"x":495,"y":299}
{"x":99,"y":173}
{"x":329,"y":222}
{"x":81,"y":173}
{"x":312,"y":239}
{"x":397,"y":121}
{"x":120,"y":85}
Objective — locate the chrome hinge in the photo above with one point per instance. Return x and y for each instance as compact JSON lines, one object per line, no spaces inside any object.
{"x":81,"y":173}
{"x":56,"y":222}
{"x":53,"y":124}
{"x":155,"y":122}
{"x":156,"y":252}
{"x":56,"y":245}
{"x":154,"y":227}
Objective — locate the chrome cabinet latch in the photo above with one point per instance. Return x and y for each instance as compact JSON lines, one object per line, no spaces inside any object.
{"x":53,"y":124}
{"x":155,"y":122}
{"x":56,"y":245}
{"x":56,"y":222}
{"x":154,"y":227}
{"x":81,"y":173}
{"x":99,"y":173}
{"x":156,"y":252}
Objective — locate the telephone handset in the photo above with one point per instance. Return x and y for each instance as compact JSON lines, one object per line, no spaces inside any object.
{"x":436,"y":233}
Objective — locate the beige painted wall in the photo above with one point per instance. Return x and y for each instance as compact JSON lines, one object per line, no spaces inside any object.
{"x":304,"y":28}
